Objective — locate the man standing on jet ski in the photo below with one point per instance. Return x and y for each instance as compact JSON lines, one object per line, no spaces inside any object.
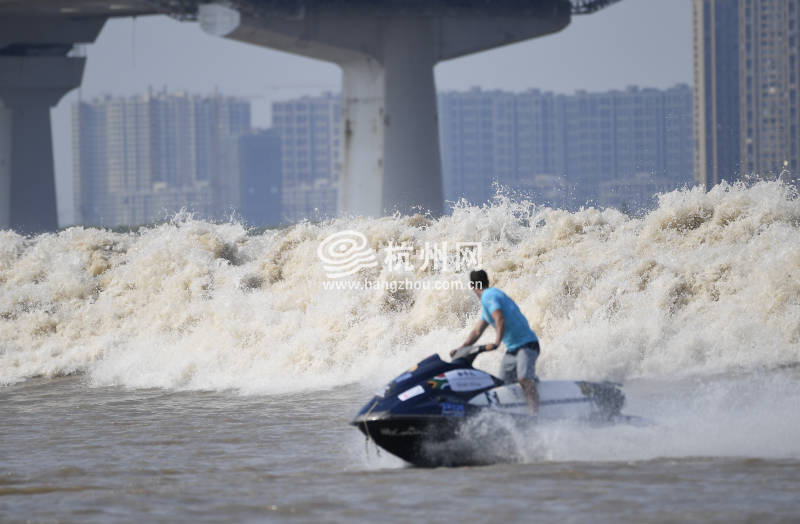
{"x":512,"y":329}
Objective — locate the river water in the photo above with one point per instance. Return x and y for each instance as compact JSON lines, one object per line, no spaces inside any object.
{"x":200,"y":372}
{"x":73,"y":453}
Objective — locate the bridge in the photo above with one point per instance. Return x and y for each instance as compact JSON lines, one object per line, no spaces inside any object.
{"x":386,"y":49}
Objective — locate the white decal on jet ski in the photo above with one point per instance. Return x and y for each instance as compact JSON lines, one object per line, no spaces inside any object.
{"x":387,"y":387}
{"x":468,"y":379}
{"x":411,"y":393}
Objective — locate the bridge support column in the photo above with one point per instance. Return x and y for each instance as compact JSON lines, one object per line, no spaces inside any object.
{"x":29,"y":87}
{"x":361,"y":177}
{"x":387,"y":54}
{"x":391,"y":138}
{"x":411,"y":143}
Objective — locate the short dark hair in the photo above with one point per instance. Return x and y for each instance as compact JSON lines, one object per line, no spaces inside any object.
{"x":478,"y":279}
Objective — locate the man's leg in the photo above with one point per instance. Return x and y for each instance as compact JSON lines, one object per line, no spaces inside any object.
{"x":531,"y":394}
{"x":508,"y":368}
{"x":526,"y":371}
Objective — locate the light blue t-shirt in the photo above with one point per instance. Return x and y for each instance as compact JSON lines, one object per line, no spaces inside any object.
{"x":518,"y":332}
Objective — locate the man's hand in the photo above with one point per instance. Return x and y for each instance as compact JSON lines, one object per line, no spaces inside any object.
{"x":490,"y":347}
{"x":453,"y":351}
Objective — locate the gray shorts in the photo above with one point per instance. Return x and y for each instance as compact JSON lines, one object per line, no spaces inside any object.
{"x":520,"y":364}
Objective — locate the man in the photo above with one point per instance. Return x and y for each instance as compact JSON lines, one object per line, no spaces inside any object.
{"x":511,"y":328}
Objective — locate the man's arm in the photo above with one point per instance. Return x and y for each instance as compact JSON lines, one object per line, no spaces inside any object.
{"x":499,"y":328}
{"x":474,"y":334}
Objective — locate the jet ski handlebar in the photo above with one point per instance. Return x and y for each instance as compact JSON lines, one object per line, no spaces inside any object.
{"x":468,"y":353}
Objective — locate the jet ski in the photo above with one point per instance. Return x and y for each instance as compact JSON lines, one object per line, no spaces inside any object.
{"x":424,"y":416}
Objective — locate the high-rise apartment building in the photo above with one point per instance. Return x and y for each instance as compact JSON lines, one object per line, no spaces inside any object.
{"x":716,"y":91}
{"x":770,"y":98}
{"x":311,"y":151}
{"x":614,"y":149}
{"x":139,"y":159}
{"x":260,"y":177}
{"x":567,"y":149}
{"x":478,"y":143}
{"x":746,"y":96}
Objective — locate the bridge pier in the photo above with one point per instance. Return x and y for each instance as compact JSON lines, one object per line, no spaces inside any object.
{"x":411,"y":164}
{"x":29,"y":87}
{"x":391,"y":135}
{"x":387,"y":55}
{"x":35,"y":73}
{"x":362,"y":129}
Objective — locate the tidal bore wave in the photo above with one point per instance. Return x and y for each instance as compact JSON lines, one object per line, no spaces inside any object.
{"x":705,"y":284}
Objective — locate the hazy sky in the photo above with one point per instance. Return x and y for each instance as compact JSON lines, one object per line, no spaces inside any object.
{"x":635,"y":42}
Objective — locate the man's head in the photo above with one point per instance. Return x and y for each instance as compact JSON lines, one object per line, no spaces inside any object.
{"x":478,"y":281}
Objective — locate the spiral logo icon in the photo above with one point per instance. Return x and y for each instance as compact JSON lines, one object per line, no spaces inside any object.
{"x":344,"y":253}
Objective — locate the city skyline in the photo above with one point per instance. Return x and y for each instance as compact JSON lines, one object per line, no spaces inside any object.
{"x":567,"y":150}
{"x":651,"y":46}
{"x":141,"y":156}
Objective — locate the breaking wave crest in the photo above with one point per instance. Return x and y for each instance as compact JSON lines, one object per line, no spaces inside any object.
{"x":706,"y":283}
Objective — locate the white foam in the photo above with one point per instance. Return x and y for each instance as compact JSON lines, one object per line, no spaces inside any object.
{"x":706,"y":283}
{"x":742,"y":416}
